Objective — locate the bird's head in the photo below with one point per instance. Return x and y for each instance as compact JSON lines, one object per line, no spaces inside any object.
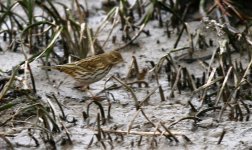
{"x":114,"y":57}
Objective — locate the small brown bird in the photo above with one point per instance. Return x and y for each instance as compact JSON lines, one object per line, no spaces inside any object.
{"x":90,"y":69}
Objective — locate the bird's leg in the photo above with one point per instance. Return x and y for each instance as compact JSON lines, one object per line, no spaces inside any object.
{"x":81,"y":86}
{"x":86,"y":89}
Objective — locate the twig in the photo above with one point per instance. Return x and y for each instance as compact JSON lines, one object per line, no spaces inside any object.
{"x":142,"y":133}
{"x":223,"y":85}
{"x":185,"y":118}
{"x":132,"y":121}
{"x":130,"y":90}
{"x":9,"y":83}
{"x":221,"y":137}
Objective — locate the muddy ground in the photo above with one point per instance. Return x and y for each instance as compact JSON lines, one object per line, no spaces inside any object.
{"x":203,"y":134}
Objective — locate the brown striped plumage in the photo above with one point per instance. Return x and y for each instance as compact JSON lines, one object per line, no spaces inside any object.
{"x":90,"y":69}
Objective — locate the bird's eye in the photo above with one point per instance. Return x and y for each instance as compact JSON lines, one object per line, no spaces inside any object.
{"x":114,"y":58}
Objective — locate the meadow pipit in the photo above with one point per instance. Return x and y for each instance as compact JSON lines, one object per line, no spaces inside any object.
{"x":90,"y":69}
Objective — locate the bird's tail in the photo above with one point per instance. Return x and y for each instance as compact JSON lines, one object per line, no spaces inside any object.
{"x":48,"y":67}
{"x":63,"y":68}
